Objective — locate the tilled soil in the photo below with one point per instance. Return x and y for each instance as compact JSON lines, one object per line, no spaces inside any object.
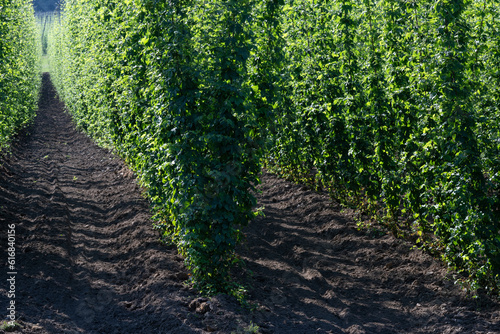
{"x":88,"y":260}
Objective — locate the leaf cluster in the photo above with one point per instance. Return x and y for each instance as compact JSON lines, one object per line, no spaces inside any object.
{"x":390,"y":105}
{"x":20,"y":79}
{"x":167,"y":84}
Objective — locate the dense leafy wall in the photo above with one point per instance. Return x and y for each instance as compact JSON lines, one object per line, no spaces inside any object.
{"x":19,"y":67}
{"x":388,"y":104}
{"x":166,"y":85}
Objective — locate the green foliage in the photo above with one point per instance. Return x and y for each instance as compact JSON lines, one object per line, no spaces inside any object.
{"x":456,"y":205}
{"x":250,"y":329}
{"x":166,"y":85}
{"x":390,"y":105}
{"x":10,"y":326}
{"x":19,"y":67}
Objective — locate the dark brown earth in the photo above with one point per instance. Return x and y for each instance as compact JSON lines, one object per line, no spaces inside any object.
{"x":88,"y":260}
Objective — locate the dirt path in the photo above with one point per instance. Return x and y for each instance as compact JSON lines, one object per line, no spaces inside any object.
{"x":88,"y":260}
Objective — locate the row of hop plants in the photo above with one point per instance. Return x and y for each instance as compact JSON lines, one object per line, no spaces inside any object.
{"x":44,"y":21}
{"x":20,"y":79}
{"x":177,"y":89}
{"x":391,"y":105}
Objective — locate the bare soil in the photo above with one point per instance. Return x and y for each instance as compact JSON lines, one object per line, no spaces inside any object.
{"x":88,"y":260}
